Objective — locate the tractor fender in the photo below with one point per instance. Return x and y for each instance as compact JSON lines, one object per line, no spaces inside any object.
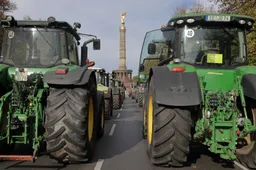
{"x":109,"y":94}
{"x":176,"y":89}
{"x":79,"y":76}
{"x":249,"y":85}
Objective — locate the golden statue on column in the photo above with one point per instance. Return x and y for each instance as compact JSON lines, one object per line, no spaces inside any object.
{"x":122,"y":18}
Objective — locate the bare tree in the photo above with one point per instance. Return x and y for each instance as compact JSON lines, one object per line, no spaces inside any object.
{"x":6,"y":6}
{"x":196,"y":8}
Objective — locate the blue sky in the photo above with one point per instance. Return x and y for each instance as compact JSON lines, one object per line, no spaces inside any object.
{"x":102,"y":18}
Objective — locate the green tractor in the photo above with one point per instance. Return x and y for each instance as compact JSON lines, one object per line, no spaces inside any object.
{"x":199,"y":89}
{"x":140,"y":91}
{"x":47,"y":97}
{"x":103,"y":85}
{"x":117,"y":97}
{"x":122,"y":91}
{"x":123,"y":88}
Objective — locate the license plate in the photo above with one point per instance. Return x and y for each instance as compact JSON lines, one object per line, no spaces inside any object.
{"x":218,"y":18}
{"x":21,"y":76}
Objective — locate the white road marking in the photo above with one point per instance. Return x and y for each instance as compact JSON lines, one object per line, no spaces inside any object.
{"x":240,"y":165}
{"x":99,"y":164}
{"x":112,"y":130}
{"x":118,"y":115}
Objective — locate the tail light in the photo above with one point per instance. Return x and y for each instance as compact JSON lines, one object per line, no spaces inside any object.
{"x":61,"y":71}
{"x":178,"y":69}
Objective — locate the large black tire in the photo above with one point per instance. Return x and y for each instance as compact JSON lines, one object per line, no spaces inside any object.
{"x":170,"y":134}
{"x":108,"y":108}
{"x":101,"y":119}
{"x":116,"y":101}
{"x":68,"y":113}
{"x":145,"y":111}
{"x":121,"y":98}
{"x":140,"y":99}
{"x":246,"y":154}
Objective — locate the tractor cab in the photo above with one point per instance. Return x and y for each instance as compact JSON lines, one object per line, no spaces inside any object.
{"x":100,"y":75}
{"x":200,"y":40}
{"x":42,"y":44}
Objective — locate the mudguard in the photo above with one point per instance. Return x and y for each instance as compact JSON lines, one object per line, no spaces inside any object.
{"x":249,"y":85}
{"x":79,"y":76}
{"x":176,"y":89}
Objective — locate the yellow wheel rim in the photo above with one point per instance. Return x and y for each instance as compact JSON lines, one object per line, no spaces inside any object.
{"x":102,"y":117}
{"x":90,"y":119}
{"x":150,"y":119}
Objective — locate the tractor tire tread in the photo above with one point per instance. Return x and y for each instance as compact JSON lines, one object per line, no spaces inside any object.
{"x":56,"y":147}
{"x":56,"y":103}
{"x":140,"y":99}
{"x":66,"y":125}
{"x":74,"y":142}
{"x":116,"y":101}
{"x":107,"y":109}
{"x":56,"y":134}
{"x":172,"y":129}
{"x":56,"y":119}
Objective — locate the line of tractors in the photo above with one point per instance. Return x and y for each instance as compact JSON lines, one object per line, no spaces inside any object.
{"x":195,"y":85}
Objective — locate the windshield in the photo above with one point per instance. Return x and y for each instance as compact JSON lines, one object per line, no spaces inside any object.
{"x":33,"y":47}
{"x":213,"y":46}
{"x":162,"y":41}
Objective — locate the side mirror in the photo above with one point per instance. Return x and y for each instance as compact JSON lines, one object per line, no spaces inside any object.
{"x":141,"y":68}
{"x":151,"y":48}
{"x":96,"y":44}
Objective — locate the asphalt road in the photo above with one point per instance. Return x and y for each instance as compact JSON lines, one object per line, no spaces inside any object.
{"x":123,"y":148}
